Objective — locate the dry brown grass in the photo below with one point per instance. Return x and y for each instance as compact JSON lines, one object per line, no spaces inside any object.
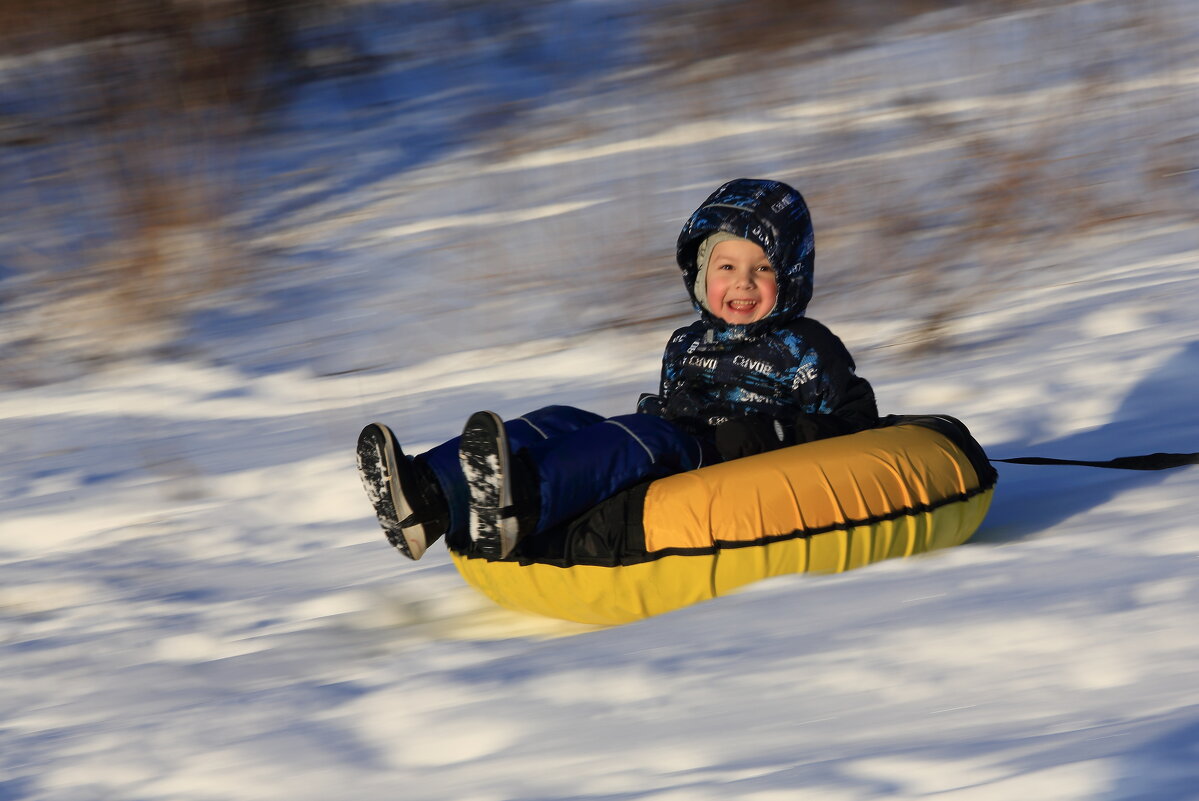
{"x":142,"y":102}
{"x":751,"y":32}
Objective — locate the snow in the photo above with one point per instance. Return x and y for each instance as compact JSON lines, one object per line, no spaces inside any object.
{"x":197,"y":602}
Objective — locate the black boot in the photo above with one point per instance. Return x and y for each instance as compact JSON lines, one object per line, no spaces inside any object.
{"x":488,"y":466}
{"x":407,"y":498}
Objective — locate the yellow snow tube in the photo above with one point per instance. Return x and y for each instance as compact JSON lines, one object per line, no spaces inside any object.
{"x":913,"y":485}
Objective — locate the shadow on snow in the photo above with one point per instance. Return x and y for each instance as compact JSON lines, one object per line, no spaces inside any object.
{"x":1157,"y":415}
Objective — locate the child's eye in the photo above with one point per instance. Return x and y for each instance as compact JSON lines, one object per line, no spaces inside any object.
{"x":765,"y":268}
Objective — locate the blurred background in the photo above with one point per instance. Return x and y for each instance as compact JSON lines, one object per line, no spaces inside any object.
{"x":204,"y":178}
{"x":234,"y":231}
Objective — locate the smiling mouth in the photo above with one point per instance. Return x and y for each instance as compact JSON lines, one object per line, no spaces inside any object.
{"x":742,"y":305}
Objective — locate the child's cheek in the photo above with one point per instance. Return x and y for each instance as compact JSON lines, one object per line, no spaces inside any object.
{"x":770,"y":295}
{"x":713,"y":301}
{"x":715,"y":294}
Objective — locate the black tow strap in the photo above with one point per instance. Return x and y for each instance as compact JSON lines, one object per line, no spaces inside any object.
{"x":1150,"y":461}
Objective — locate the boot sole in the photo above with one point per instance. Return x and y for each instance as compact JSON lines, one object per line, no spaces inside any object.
{"x":378,"y":467}
{"x":483,"y":455}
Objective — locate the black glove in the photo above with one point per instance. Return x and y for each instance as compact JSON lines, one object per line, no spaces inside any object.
{"x":811,"y":427}
{"x":756,"y":433}
{"x":649,"y":403}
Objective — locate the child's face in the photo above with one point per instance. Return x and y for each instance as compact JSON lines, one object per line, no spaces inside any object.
{"x":741,"y":284}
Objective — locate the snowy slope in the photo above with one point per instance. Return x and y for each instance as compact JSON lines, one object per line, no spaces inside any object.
{"x":197,"y":603}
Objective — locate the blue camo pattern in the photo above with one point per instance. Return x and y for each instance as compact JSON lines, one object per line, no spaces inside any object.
{"x":783,"y":365}
{"x":773,"y":215}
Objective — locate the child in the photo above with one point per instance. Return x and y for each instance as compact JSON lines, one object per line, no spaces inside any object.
{"x":750,"y":375}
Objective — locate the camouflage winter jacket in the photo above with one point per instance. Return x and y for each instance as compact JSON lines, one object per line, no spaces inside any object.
{"x":785,"y":365}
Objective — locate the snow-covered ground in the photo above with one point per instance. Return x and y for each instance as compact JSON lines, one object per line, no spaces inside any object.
{"x":197,"y":603}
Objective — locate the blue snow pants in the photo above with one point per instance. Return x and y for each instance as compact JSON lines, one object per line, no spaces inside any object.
{"x":580,"y":459}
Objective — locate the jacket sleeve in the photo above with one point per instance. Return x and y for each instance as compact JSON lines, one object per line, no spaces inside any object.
{"x":833,"y":399}
{"x":657,"y":404}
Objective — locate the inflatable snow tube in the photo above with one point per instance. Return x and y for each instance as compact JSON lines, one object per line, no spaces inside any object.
{"x":911,"y":485}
